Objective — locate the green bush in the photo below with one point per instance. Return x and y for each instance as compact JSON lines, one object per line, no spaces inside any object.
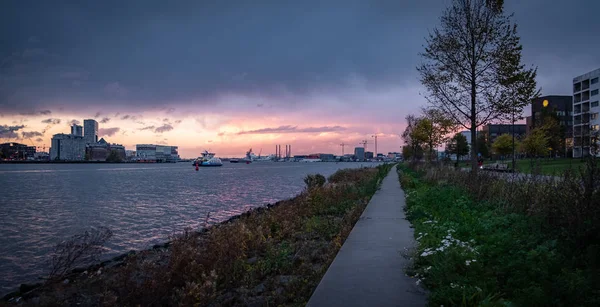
{"x":477,"y":250}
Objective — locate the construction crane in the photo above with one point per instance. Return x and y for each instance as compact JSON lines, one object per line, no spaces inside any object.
{"x":343,"y":145}
{"x":375,"y":136}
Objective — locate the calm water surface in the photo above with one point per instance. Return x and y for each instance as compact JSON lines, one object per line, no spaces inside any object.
{"x":144,"y":204}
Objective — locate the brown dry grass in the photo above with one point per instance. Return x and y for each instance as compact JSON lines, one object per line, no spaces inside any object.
{"x":270,"y":256}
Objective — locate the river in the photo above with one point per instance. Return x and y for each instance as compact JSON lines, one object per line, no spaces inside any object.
{"x":143,"y":204}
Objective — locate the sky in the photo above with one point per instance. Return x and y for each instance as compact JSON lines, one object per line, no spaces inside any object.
{"x":232,"y":75}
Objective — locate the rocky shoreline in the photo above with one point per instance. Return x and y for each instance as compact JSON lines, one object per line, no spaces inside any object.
{"x":271,"y":255}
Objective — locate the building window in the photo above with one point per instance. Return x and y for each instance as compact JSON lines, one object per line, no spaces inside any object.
{"x":594,"y":104}
{"x":594,"y":93}
{"x":594,"y":116}
{"x":594,"y":127}
{"x":560,"y":113}
{"x":595,"y":80}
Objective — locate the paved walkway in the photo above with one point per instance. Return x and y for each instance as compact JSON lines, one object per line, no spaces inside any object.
{"x":369,"y":268}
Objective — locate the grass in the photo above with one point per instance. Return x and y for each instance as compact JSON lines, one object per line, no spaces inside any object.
{"x":477,"y":246}
{"x":272,"y":256}
{"x":543,"y":166}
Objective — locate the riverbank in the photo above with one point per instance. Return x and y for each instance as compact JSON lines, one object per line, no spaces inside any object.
{"x":273,"y":255}
{"x":491,"y":242}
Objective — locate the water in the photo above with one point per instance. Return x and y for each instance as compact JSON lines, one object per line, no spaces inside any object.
{"x":143,"y":204}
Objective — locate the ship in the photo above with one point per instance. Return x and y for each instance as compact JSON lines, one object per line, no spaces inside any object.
{"x":208,"y":159}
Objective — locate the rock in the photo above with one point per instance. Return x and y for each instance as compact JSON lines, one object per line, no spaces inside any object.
{"x":252,"y":260}
{"x":259,"y":289}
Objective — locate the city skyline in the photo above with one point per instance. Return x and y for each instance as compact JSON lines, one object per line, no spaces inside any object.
{"x":231,"y":82}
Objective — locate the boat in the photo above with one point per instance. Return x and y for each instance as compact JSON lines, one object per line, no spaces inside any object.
{"x":207,"y":159}
{"x":234,"y":160}
{"x":251,"y":157}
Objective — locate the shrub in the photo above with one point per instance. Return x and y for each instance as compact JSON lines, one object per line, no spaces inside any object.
{"x":487,"y":239}
{"x":80,"y":250}
{"x":314,"y":181}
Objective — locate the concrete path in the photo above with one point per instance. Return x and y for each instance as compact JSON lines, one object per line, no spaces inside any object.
{"x":369,"y":268}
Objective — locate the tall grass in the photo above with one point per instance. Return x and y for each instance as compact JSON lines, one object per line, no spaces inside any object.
{"x":269,"y":256}
{"x":485,"y":240}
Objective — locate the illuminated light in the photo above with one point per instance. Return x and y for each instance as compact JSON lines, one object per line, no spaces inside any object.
{"x":545,"y":103}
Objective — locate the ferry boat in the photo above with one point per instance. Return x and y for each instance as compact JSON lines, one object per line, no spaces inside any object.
{"x":207,"y":159}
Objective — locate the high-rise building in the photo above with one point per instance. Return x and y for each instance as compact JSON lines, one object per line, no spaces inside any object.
{"x":67,"y":147}
{"x":90,"y":131}
{"x":359,"y":153}
{"x":77,"y":130}
{"x":586,"y":122}
{"x":561,"y":109}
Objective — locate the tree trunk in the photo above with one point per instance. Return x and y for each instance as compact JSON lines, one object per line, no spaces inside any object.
{"x":474,"y":148}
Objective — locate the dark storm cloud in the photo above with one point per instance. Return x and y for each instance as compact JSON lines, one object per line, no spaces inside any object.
{"x":31,"y":134}
{"x":108,"y":131}
{"x":142,"y":54}
{"x":124,"y":117}
{"x":147,"y":128}
{"x":293,"y":129}
{"x":105,"y":120}
{"x":197,"y":49}
{"x":39,"y":140}
{"x":10,"y":131}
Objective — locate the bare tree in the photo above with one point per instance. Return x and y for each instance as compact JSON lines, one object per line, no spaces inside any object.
{"x":79,"y":250}
{"x":472,"y":67}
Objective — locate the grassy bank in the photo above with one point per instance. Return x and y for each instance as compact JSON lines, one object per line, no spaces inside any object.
{"x":488,"y":242}
{"x":269,"y":256}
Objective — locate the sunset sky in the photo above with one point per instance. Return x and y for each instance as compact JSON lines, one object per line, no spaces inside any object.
{"x":230,"y":75}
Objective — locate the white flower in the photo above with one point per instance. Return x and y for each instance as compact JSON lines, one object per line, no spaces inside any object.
{"x":418,"y":282}
{"x":453,"y":285}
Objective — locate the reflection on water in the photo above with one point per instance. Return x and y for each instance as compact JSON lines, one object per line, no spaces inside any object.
{"x":43,"y":204}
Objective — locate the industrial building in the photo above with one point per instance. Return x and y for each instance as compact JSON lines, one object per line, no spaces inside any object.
{"x":359,"y":153}
{"x":156,"y":153}
{"x":77,"y":130}
{"x":67,"y":147}
{"x":585,"y":112}
{"x":17,"y":151}
{"x":101,"y":150}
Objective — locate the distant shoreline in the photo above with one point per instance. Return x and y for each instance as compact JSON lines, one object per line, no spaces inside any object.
{"x":76,"y":162}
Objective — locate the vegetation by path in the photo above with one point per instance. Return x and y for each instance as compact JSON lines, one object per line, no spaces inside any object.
{"x":488,"y":242}
{"x":269,"y":256}
{"x":544,"y":166}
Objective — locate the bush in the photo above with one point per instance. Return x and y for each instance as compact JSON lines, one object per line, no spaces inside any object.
{"x":314,"y":181}
{"x":485,"y":240}
{"x":268,"y":256}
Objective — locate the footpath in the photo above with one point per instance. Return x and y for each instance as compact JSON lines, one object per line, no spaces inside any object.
{"x":369,"y":268}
